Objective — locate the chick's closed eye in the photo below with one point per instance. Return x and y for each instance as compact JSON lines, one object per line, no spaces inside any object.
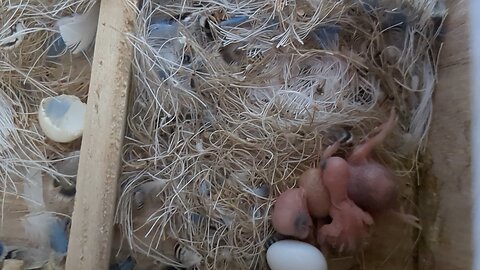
{"x":290,"y":215}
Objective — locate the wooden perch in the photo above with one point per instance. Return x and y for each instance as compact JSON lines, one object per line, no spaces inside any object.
{"x":100,"y":159}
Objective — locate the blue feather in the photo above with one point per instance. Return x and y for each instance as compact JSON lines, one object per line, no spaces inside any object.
{"x":58,"y":237}
{"x":162,"y":29}
{"x":128,"y":264}
{"x":326,"y":36}
{"x":56,"y":46}
{"x":234,"y":21}
{"x":197,"y":219}
{"x":395,"y":19}
{"x":2,"y":249}
{"x":369,"y":5}
{"x":161,"y":73}
{"x":261,"y":191}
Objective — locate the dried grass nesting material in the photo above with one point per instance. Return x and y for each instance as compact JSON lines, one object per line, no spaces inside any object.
{"x":32,"y":68}
{"x":28,"y":75}
{"x":233,"y":100}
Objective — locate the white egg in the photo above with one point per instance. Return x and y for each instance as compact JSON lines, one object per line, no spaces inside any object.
{"x":62,"y":117}
{"x":292,"y":254}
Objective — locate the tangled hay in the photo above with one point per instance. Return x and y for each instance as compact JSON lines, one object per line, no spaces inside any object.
{"x":27,"y":75}
{"x":233,"y":100}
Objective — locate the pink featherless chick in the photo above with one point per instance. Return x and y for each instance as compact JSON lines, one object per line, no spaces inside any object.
{"x":358,"y":187}
{"x":318,"y":198}
{"x":290,"y":214}
{"x":372,"y":186}
{"x":350,"y":224}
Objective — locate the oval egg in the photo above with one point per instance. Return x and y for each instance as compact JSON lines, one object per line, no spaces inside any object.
{"x":292,"y":254}
{"x":62,"y":118}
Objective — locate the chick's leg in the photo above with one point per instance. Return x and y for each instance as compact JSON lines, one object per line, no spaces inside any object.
{"x":361,"y":152}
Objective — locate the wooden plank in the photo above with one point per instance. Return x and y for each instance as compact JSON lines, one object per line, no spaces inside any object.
{"x":475,"y":124}
{"x":446,"y":197}
{"x":11,"y":229}
{"x":92,"y":227}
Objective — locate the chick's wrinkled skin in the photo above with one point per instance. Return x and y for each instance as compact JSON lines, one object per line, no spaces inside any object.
{"x":290,"y":214}
{"x":372,"y":186}
{"x":348,"y":190}
{"x":318,"y":199}
{"x":359,"y":187}
{"x":350,"y":224}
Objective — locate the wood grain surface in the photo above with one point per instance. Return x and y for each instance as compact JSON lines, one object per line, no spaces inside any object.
{"x":446,"y":199}
{"x":92,"y":224}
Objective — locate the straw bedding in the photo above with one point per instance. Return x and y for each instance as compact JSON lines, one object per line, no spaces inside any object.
{"x":232,"y":100}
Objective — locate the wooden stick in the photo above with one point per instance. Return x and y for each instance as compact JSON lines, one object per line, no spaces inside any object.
{"x":100,"y":160}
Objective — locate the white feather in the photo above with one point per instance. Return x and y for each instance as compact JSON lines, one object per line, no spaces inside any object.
{"x":33,"y":258}
{"x":37,"y":223}
{"x":199,"y":147}
{"x":78,"y":31}
{"x":187,"y":256}
{"x":37,"y":228}
{"x":204,"y":188}
{"x":240,"y":176}
{"x":152,"y":188}
{"x":33,"y":190}
{"x":296,"y":90}
{"x":422,"y":116}
{"x":41,"y":229}
{"x":12,"y":41}
{"x":226,"y":215}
